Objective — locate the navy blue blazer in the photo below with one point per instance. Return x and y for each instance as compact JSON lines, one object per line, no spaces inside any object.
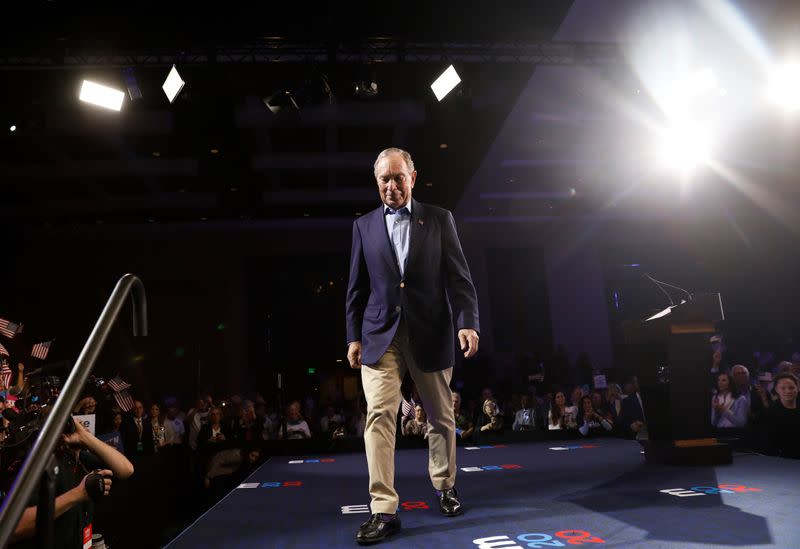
{"x":435,"y":270}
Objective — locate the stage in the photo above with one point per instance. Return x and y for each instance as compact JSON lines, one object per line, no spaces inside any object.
{"x":594,"y":493}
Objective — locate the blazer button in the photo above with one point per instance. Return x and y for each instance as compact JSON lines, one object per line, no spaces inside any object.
{"x":398,"y":308}
{"x":402,"y":284}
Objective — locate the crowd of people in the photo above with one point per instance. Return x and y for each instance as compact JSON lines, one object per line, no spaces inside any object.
{"x":208,"y":448}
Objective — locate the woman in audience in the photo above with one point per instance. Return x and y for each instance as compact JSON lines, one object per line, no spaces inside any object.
{"x":590,"y":421}
{"x":296,"y":426}
{"x":163,"y":432}
{"x":614,"y":400}
{"x":491,"y":419}
{"x":212,"y":435}
{"x":464,"y":426}
{"x":556,"y":416}
{"x":783,"y":417}
{"x":728,"y":408}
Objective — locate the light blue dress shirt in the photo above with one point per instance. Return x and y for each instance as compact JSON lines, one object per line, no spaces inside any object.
{"x":398,"y":225}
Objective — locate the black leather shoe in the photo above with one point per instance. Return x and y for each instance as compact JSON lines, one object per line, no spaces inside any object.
{"x":375,"y":529}
{"x":449,"y":504}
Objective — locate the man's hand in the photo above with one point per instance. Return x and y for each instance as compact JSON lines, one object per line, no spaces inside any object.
{"x":354,"y":354}
{"x":469,"y":341}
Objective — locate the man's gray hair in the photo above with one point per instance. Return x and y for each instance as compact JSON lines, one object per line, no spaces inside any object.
{"x":741,"y":367}
{"x":394,"y":150}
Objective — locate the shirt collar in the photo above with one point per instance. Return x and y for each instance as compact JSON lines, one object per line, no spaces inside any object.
{"x":408,"y":206}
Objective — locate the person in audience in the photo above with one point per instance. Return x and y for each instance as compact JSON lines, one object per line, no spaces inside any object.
{"x":614,"y":400}
{"x":571,"y":410}
{"x":557,"y":416}
{"x":228,"y":468}
{"x":632,"y":417}
{"x":358,"y":421}
{"x":754,"y":394}
{"x":783,"y":417}
{"x":464,"y":426}
{"x":213,"y":434}
{"x":174,"y":417}
{"x":137,"y":436}
{"x":85,"y":406}
{"x":527,"y":417}
{"x":491,"y":419}
{"x":330,"y":416}
{"x":196,"y":418}
{"x":246,"y":427}
{"x":296,"y":426}
{"x":728,"y":408}
{"x":160,"y":428}
{"x":114,"y":436}
{"x":590,"y":422}
{"x":418,"y":426}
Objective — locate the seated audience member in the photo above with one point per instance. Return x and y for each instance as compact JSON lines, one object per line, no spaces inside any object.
{"x":464,"y":426}
{"x":632,"y":417}
{"x":728,"y":408}
{"x":527,"y":417}
{"x":757,"y":398}
{"x":590,"y":422}
{"x":84,"y":475}
{"x":556,"y":417}
{"x":296,"y":426}
{"x":213,"y":434}
{"x":783,"y":418}
{"x":330,"y":416}
{"x":491,"y":419}
{"x":614,"y":400}
{"x":418,"y":426}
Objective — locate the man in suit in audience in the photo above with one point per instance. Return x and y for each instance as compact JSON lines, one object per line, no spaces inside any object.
{"x":137,"y":433}
{"x":408,"y":281}
{"x":632,"y":416}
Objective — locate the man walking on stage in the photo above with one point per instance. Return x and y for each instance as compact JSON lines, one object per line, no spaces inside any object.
{"x":406,"y":261}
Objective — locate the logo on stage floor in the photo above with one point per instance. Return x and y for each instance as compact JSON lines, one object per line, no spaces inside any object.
{"x":406,"y":506}
{"x":574,"y":447}
{"x":487,"y":447}
{"x":709,"y":490}
{"x":296,"y":461}
{"x":286,"y":484}
{"x":490,"y":468}
{"x":534,"y":540}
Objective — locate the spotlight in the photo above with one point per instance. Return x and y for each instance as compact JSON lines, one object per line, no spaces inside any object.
{"x":366,"y":89}
{"x":443,"y":85}
{"x":683,"y":147}
{"x":173,"y":84}
{"x":102,"y":96}
{"x":12,"y":128}
{"x":784,"y":86}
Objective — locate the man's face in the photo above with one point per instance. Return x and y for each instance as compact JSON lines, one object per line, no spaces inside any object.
{"x":456,"y":400}
{"x":740,"y":377}
{"x":138,"y":409}
{"x":395,"y":181}
{"x":525,"y":402}
{"x":786,"y":389}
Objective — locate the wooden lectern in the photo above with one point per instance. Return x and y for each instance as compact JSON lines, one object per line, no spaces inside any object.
{"x":671,"y":356}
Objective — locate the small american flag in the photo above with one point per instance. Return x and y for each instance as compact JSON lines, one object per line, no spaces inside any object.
{"x":40,"y":350}
{"x":3,"y":350}
{"x":407,"y":407}
{"x":121,"y":394}
{"x":5,"y":374}
{"x":118,"y":384}
{"x":9,"y":329}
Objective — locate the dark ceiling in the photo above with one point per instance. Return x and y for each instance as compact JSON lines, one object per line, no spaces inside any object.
{"x":217,"y":152}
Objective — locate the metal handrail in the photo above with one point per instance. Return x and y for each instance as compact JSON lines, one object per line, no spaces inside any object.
{"x":31,"y":473}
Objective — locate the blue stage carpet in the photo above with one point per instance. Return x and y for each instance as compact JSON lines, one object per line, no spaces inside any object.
{"x":594,"y":493}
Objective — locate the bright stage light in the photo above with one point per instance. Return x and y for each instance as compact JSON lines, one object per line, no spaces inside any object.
{"x":12,"y":129}
{"x":683,"y":147}
{"x":784,"y":86}
{"x":173,"y":84}
{"x":443,"y":85}
{"x":102,"y":96}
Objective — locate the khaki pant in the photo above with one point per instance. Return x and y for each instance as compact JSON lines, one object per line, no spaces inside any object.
{"x":381,"y":383}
